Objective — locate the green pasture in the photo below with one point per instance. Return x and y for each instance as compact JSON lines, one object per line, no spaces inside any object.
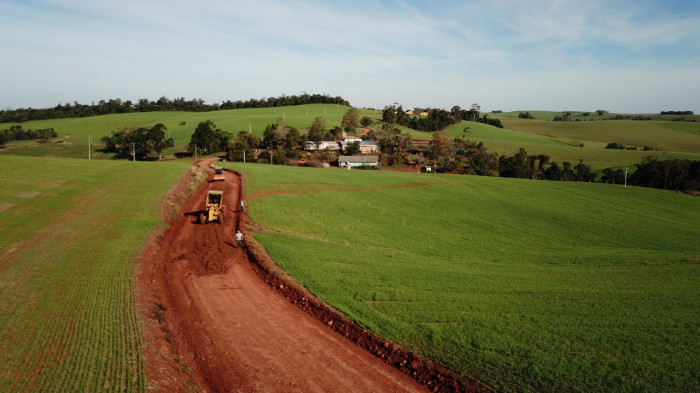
{"x":181,"y":125}
{"x":526,"y":286}
{"x":591,"y":115}
{"x":70,"y":232}
{"x":558,"y":140}
{"x":662,"y":136}
{"x":561,"y":140}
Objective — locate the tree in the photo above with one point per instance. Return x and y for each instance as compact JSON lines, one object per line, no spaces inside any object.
{"x":318,"y":125}
{"x":366,"y":121}
{"x":203,"y":137}
{"x":352,"y":148}
{"x":442,"y":150}
{"x":566,"y":173}
{"x":208,"y":139}
{"x":584,"y":172}
{"x":156,"y":139}
{"x":475,"y":111}
{"x":138,"y":142}
{"x":389,"y":114}
{"x":242,"y":148}
{"x":292,"y":138}
{"x":553,"y":172}
{"x":351,"y":120}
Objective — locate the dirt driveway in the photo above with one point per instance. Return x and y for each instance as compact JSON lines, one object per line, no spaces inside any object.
{"x":215,"y":321}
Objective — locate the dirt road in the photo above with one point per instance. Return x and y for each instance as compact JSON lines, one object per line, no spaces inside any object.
{"x":215,"y":321}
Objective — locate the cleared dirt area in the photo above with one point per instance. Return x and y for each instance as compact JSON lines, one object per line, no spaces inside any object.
{"x":217,"y":318}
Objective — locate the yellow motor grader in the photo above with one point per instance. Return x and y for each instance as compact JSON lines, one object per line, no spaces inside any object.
{"x":213,"y":208}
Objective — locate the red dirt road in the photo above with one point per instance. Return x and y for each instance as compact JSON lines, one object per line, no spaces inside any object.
{"x":214,"y":320}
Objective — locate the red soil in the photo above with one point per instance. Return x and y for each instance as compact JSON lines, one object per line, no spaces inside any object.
{"x":216,"y":318}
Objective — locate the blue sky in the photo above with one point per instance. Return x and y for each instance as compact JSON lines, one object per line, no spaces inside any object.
{"x":623,"y":56}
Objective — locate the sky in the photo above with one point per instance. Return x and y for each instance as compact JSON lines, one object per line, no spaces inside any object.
{"x":624,"y":56}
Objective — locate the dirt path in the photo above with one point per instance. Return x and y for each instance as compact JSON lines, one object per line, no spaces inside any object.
{"x":213,"y":320}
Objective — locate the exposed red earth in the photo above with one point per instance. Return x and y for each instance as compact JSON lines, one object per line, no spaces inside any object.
{"x":216,"y":318}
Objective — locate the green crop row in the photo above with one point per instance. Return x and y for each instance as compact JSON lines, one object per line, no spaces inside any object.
{"x":527,"y":286}
{"x":69,"y":235}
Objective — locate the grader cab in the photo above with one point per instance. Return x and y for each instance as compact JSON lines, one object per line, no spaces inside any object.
{"x":219,"y":173}
{"x":213,"y":208}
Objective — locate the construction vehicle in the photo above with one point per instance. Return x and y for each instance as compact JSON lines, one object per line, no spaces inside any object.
{"x":213,"y":208}
{"x":218,"y":173}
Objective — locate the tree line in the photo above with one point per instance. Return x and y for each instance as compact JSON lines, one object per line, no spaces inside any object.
{"x":18,"y":133}
{"x":115,"y":106}
{"x":437,"y":119}
{"x":461,"y":155}
{"x":138,"y":143}
{"x":684,"y":113}
{"x":672,"y":174}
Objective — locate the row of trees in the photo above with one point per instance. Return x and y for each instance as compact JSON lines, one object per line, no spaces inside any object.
{"x":462,"y":155}
{"x":437,"y":119}
{"x":138,"y":143}
{"x":672,"y":174}
{"x":113,"y":106}
{"x":17,"y":133}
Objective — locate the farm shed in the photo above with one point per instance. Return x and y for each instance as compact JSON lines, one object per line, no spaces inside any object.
{"x":354,"y":161}
{"x":368,"y":147}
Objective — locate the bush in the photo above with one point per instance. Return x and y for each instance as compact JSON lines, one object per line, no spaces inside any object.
{"x":614,"y":145}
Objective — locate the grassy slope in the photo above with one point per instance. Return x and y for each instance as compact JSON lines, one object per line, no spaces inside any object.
{"x":70,"y":231}
{"x":671,"y":139}
{"x":79,"y":129}
{"x":557,"y":140}
{"x":528,"y":286}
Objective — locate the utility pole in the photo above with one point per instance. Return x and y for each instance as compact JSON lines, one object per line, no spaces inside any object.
{"x":244,"y":156}
{"x":625,"y":177}
{"x":133,"y":151}
{"x":89,"y":143}
{"x":270,"y":154}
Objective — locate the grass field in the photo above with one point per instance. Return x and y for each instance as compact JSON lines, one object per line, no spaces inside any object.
{"x":70,"y":231}
{"x":234,"y":120}
{"x":527,"y":286}
{"x":556,"y":139}
{"x":591,"y":115}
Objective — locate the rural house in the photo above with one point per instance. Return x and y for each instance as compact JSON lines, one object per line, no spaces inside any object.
{"x":366,"y":147}
{"x":322,"y":145}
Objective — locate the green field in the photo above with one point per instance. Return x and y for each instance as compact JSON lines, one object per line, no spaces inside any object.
{"x":527,"y":286}
{"x":234,"y":120}
{"x":670,"y":139}
{"x":70,"y":232}
{"x":558,"y":140}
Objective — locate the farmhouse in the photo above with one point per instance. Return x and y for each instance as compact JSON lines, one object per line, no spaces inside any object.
{"x":355,"y":161}
{"x":322,"y":145}
{"x":366,"y":147}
